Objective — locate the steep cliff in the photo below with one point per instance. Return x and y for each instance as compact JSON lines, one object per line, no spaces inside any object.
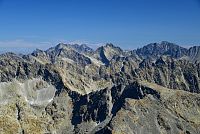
{"x":75,"y":89}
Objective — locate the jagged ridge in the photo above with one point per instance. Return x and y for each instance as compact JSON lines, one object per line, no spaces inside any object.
{"x":97,"y":89}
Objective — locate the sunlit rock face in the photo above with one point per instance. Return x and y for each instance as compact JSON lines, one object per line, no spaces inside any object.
{"x":37,"y":92}
{"x":73,"y":89}
{"x":9,"y":92}
{"x":22,"y":104}
{"x":171,"y":112}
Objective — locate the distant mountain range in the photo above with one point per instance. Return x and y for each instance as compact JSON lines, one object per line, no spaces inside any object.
{"x":72,"y":88}
{"x":105,"y":53}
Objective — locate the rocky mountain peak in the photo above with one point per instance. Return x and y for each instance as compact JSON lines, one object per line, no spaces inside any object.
{"x":60,"y":46}
{"x":156,"y":50}
{"x":194,"y":53}
{"x":83,"y":48}
{"x":107,"y":52}
{"x":37,"y":52}
{"x":71,"y":89}
{"x":111,"y":46}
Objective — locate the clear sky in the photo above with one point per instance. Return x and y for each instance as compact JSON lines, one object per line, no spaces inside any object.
{"x":27,"y":24}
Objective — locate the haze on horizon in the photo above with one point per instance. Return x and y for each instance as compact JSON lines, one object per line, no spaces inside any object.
{"x":29,"y":24}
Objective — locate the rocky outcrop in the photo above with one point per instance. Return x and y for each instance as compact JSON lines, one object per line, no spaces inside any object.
{"x":107,"y":52}
{"x":75,"y":89}
{"x":156,"y":50}
{"x":171,"y":73}
{"x":173,"y":112}
{"x":194,"y":53}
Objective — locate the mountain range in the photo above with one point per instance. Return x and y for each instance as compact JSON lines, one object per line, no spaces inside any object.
{"x":72,"y":88}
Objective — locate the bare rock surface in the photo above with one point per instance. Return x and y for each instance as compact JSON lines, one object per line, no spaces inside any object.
{"x":71,"y":89}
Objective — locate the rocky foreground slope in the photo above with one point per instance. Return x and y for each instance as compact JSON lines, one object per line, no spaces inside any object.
{"x":75,"y":89}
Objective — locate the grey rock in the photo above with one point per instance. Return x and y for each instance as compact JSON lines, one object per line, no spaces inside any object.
{"x":74,"y":89}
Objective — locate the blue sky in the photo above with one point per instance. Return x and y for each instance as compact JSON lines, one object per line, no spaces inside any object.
{"x":29,"y":24}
